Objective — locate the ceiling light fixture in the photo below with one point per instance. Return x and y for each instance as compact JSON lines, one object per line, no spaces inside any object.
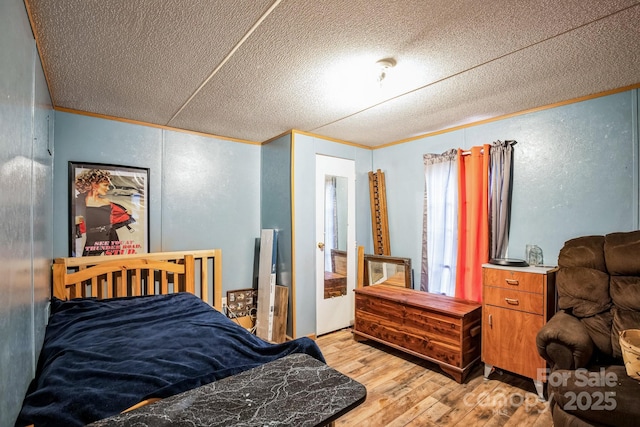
{"x":383,"y":67}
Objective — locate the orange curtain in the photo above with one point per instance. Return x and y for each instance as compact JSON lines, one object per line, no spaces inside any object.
{"x":473,"y":221}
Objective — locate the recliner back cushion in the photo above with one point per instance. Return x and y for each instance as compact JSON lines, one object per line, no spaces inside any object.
{"x":582,"y":280}
{"x":583,"y":291}
{"x":622,"y":253}
{"x":586,"y":251}
{"x":625,"y":292}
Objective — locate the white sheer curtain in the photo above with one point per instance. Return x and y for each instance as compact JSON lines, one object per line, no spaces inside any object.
{"x":440,"y":218}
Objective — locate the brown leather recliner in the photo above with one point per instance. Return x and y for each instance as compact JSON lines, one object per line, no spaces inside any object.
{"x":598,"y":282}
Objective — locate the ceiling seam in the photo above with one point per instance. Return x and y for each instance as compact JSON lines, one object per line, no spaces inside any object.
{"x":474,"y":67}
{"x":226,"y":58}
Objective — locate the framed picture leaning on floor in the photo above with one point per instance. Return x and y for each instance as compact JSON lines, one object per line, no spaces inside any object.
{"x":108,"y":209}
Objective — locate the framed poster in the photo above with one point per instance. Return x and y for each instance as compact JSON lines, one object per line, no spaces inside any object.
{"x":108,"y":212}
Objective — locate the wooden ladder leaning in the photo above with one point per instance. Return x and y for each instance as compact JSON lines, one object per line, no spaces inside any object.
{"x":379,"y":221}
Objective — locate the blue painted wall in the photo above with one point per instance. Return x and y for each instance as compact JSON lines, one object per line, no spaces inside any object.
{"x":305,"y":148}
{"x":204,"y":192}
{"x":89,"y":139}
{"x":26,"y":176}
{"x":575,"y":173}
{"x":212,"y":193}
{"x":211,"y":199}
{"x":275,"y":209}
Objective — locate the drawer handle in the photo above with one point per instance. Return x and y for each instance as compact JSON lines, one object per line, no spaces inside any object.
{"x":476,"y":330}
{"x":512,"y":282}
{"x":512,"y":301}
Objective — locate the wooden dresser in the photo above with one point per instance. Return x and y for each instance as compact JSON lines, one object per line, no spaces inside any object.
{"x":516,"y":302}
{"x":437,"y":328}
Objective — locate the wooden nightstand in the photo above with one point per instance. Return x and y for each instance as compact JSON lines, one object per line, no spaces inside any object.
{"x":516,"y":302}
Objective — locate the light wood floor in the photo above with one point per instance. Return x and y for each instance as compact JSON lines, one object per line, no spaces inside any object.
{"x":404,"y":390}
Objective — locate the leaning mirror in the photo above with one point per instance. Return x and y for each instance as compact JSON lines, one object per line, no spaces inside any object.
{"x":387,"y":270}
{"x":335,"y":240}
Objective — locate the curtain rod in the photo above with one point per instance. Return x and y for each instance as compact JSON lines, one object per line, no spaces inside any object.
{"x":467,"y":152}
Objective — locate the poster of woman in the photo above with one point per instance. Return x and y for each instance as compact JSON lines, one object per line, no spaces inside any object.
{"x":108,"y":209}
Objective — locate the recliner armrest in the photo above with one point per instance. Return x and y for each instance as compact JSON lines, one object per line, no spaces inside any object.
{"x":564,"y":342}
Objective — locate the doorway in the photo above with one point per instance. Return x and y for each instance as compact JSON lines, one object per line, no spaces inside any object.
{"x":336,"y":243}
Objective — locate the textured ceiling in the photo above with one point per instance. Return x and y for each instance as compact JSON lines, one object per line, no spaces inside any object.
{"x":253,"y":69}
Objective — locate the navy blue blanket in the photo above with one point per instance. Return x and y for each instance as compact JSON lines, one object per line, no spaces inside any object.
{"x":102,"y":356}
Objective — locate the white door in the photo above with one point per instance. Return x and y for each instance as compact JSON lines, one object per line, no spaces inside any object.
{"x":335,"y":243}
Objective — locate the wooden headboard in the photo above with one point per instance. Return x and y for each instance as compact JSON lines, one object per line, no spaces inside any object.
{"x":198,"y":272}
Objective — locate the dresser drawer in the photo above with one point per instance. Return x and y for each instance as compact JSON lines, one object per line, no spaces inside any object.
{"x":515,"y":280}
{"x":423,"y":322}
{"x":400,"y":334}
{"x":516,"y":300}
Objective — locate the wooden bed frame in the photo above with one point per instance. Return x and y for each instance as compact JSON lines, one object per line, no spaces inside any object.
{"x":198,"y":272}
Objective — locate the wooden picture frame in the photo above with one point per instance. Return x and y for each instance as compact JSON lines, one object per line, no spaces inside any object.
{"x":387,"y":270}
{"x":108,"y":209}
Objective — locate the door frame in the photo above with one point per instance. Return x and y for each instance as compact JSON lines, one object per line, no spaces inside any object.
{"x":338,"y":312}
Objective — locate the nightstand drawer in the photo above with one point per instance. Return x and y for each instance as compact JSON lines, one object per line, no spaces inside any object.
{"x":515,"y":300}
{"x":515,"y":280}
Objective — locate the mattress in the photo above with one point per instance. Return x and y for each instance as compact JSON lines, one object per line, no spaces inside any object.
{"x":100,"y":357}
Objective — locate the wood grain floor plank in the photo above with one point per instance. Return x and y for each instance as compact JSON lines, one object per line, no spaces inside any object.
{"x":403,"y":390}
{"x":430,"y":415}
